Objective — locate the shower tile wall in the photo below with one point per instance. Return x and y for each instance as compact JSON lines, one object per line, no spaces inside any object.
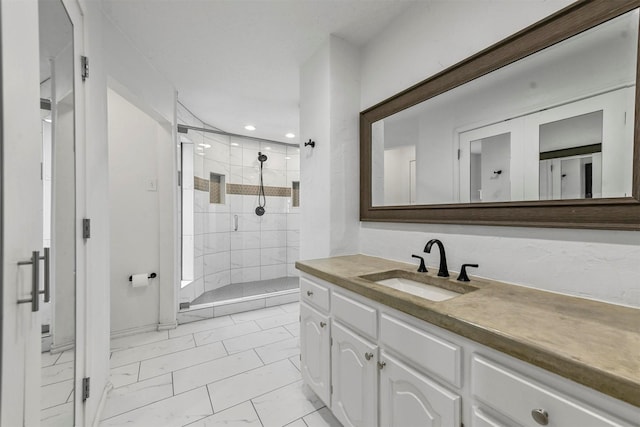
{"x":262,"y":247}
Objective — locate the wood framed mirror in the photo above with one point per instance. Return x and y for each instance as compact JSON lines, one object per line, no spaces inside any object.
{"x":538,"y":130}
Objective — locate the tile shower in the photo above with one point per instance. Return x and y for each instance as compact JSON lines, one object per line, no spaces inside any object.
{"x":226,"y":246}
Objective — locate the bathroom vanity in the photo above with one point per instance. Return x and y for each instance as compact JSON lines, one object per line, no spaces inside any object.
{"x":483,"y":353}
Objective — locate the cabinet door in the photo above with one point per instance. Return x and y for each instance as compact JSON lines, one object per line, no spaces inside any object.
{"x":354,"y":378}
{"x":409,"y":398}
{"x":315,"y":354}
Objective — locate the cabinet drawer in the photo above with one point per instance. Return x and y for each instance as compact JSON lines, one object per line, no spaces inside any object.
{"x":433,"y":354}
{"x":314,"y":294}
{"x":517,"y":397}
{"x":358,"y":316}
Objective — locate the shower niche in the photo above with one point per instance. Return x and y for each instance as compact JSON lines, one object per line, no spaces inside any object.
{"x":234,"y":259}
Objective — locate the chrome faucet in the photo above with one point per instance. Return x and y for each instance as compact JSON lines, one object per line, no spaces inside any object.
{"x":443,"y":271}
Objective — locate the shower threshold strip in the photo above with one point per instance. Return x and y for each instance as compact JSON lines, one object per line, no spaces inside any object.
{"x":237,"y":305}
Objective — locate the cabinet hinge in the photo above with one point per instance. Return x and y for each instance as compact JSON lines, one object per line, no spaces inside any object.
{"x":84,"y":64}
{"x":86,"y":388}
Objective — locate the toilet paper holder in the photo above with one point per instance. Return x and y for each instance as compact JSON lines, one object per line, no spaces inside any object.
{"x":151,"y":276}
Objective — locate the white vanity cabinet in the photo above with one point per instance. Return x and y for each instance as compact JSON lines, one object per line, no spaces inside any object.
{"x":315,"y":359}
{"x":375,"y":366}
{"x":410,"y":398}
{"x":529,"y":402}
{"x":354,"y":376}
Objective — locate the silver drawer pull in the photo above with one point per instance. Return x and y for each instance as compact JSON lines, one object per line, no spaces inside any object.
{"x":368,"y":356}
{"x":540,"y":416}
{"x":381,"y":365}
{"x":309,"y":293}
{"x":323,"y":324}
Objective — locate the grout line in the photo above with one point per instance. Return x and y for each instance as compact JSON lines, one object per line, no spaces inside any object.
{"x":154,"y":357}
{"x":139,"y":370}
{"x":210,"y":401}
{"x":173,"y":389}
{"x":257,"y":414}
{"x":143,"y":406}
{"x":258,"y":354}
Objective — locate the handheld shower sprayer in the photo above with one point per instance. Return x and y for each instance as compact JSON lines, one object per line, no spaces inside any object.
{"x":262,"y":199}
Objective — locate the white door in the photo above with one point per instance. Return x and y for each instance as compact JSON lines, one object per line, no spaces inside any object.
{"x":354,"y":378}
{"x":315,"y":354}
{"x":409,"y":398}
{"x":21,"y":213}
{"x":39,"y":67}
{"x":491,"y":163}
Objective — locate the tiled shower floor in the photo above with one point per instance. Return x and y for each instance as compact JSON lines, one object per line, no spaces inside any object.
{"x":239,"y":290}
{"x":241,"y":369}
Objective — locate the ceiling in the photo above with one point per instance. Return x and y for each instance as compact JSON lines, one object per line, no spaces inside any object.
{"x":236,"y":62}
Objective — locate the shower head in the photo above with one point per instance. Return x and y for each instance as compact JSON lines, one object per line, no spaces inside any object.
{"x":262,"y":157}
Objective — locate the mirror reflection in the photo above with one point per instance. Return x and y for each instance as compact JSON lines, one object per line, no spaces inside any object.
{"x":555,"y":125}
{"x":59,"y":205}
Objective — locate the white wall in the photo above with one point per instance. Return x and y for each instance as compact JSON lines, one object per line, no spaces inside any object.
{"x":428,"y":38}
{"x":329,"y":93}
{"x":135,"y":140}
{"x":397,"y":177}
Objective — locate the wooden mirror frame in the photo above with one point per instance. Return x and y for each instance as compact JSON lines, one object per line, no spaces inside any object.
{"x":607,"y":213}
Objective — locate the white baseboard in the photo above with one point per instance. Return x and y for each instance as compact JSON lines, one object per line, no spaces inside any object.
{"x":103,"y":399}
{"x":167,"y":326}
{"x":133,"y":331}
{"x":54,"y":349}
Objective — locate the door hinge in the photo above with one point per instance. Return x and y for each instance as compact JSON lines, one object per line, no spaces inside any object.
{"x":331,"y":389}
{"x":84,"y":65}
{"x":179,"y":178}
{"x":86,"y":388}
{"x":331,"y":340}
{"x":86,"y":228}
{"x":458,"y":154}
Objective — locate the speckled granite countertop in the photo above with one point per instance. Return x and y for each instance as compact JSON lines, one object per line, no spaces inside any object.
{"x":592,"y":343}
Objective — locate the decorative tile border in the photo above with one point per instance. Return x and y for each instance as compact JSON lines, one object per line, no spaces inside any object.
{"x":252,"y":190}
{"x":200,"y":184}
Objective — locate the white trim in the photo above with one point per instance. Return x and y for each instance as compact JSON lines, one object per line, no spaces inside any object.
{"x":167,"y":326}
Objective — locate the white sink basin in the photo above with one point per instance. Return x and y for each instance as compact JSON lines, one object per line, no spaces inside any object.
{"x":421,"y":290}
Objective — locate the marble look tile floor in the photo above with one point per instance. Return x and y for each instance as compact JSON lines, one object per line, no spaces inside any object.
{"x":56,"y":392}
{"x":237,"y":370}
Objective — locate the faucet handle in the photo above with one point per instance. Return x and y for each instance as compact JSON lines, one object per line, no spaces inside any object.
{"x":463,"y":272}
{"x":422,"y":268}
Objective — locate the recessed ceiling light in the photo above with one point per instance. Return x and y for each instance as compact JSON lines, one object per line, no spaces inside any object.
{"x":200,"y":154}
{"x":287,"y":158}
{"x":205,"y":145}
{"x":235,"y":144}
{"x":267,"y":148}
{"x":250,"y":127}
{"x":290,"y":135}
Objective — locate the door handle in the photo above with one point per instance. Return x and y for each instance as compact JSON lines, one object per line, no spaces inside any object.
{"x":35,"y":279}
